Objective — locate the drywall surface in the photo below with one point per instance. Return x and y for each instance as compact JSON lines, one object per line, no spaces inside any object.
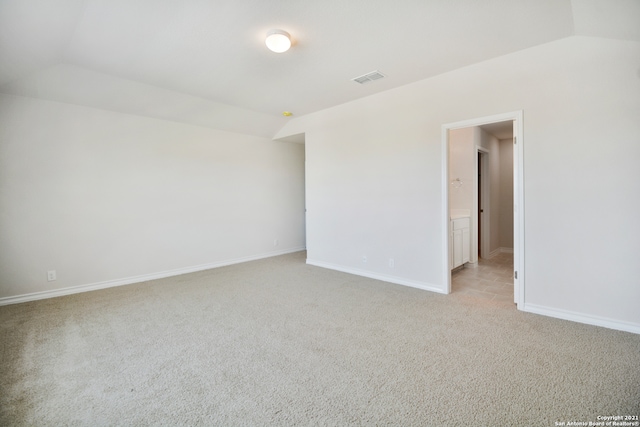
{"x":462,"y":168}
{"x":76,"y":85}
{"x":490,"y":142}
{"x":100,"y":196}
{"x":374,"y":175}
{"x":505,"y":211}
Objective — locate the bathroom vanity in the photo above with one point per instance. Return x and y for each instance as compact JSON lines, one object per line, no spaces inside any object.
{"x":460,"y":237}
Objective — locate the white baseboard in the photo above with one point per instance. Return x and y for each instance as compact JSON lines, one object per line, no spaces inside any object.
{"x":137,"y":279}
{"x":500,"y":251}
{"x":377,"y":276}
{"x":583,"y":318}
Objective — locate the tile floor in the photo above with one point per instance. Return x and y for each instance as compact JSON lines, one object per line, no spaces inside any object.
{"x":492,"y":279}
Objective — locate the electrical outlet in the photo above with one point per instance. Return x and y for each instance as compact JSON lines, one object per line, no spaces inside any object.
{"x":364,"y":259}
{"x":392,"y":263}
{"x":275,"y":242}
{"x":51,"y":275}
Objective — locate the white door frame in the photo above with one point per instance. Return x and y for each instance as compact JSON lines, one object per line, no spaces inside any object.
{"x":518,"y":197}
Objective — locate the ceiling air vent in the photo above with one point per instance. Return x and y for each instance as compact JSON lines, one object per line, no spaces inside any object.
{"x":369,"y":77}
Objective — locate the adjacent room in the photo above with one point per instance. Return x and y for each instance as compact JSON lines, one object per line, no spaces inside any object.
{"x":265,"y":212}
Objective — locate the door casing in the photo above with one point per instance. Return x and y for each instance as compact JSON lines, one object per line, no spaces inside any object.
{"x":518,"y":198}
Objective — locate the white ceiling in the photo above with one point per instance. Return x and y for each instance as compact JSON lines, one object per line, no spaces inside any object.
{"x":501,"y":130}
{"x":204,"y":61}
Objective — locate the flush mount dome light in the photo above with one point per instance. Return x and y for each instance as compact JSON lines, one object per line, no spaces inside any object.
{"x":278,"y":41}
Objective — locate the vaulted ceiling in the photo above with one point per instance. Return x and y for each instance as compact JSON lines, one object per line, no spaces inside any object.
{"x":204,"y":62}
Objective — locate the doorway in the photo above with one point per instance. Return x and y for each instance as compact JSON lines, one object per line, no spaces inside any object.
{"x":481,"y":215}
{"x":480,"y":210}
{"x":483,"y":210}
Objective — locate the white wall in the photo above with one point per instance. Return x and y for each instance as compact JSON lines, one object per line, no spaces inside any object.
{"x":461,"y":166}
{"x":495,"y":195}
{"x":505,"y":209}
{"x":102,"y":196}
{"x":490,"y":143}
{"x":374,"y":175}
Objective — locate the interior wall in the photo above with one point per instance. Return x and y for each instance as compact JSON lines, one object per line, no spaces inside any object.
{"x":490,"y":142}
{"x":101,"y":196}
{"x":495,"y":196}
{"x":505,"y":211}
{"x":374,"y":181}
{"x":461,"y":167}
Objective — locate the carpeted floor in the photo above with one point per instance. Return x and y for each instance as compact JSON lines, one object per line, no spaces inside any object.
{"x":278,"y":342}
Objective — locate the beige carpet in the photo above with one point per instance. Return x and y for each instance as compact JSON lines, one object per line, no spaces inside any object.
{"x":277,"y":342}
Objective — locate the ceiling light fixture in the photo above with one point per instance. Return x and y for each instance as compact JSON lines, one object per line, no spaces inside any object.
{"x":278,"y":41}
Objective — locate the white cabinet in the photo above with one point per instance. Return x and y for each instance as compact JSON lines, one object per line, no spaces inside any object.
{"x":460,"y":241}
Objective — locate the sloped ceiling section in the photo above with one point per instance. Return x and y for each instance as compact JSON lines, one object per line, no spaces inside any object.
{"x":618,"y":19}
{"x":76,"y":85}
{"x":204,"y":62}
{"x":34,"y":34}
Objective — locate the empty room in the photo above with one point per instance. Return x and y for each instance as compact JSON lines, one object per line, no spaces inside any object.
{"x":271,"y":212}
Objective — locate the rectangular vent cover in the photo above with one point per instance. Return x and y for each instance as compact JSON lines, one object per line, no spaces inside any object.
{"x":369,"y":77}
